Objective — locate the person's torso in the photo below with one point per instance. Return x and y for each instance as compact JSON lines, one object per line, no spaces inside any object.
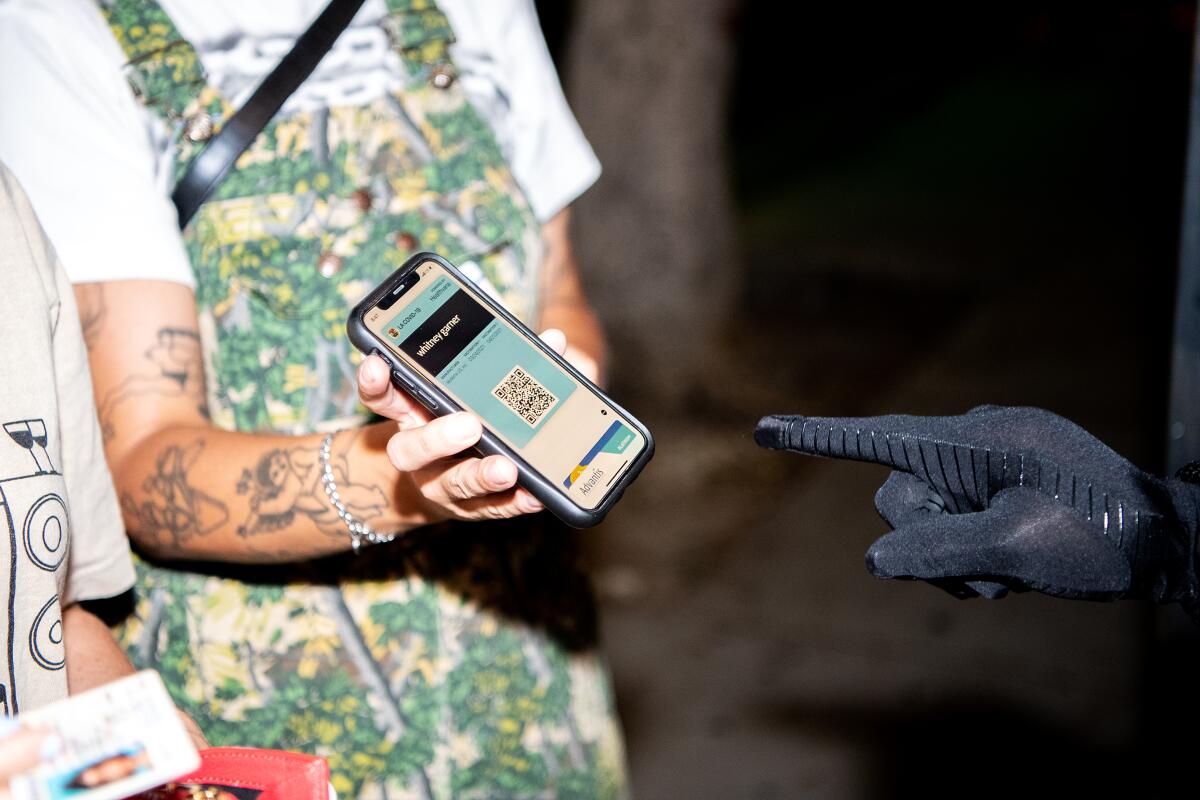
{"x":34,"y":518}
{"x":378,"y":155}
{"x":452,"y":662}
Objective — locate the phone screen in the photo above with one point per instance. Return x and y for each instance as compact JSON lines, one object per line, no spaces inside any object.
{"x":560,"y":426}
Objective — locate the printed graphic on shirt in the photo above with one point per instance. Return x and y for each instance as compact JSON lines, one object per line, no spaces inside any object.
{"x":33,"y":508}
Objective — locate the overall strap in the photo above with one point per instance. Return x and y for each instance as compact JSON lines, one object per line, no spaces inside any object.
{"x":209,"y":168}
{"x":165,"y":73}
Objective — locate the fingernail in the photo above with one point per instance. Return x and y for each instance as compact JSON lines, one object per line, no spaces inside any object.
{"x":461,"y":429}
{"x":499,"y":472}
{"x":52,"y":745}
{"x":533,"y":505}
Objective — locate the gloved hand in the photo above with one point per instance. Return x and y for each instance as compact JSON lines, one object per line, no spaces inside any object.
{"x":1013,"y":498}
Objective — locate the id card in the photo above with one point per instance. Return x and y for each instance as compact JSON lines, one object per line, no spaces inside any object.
{"x":118,"y":740}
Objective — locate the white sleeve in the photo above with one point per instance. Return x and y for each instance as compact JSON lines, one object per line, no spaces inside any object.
{"x":506,"y":65}
{"x":75,"y":137}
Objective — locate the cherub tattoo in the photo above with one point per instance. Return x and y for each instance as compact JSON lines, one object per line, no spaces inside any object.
{"x":285,"y":483}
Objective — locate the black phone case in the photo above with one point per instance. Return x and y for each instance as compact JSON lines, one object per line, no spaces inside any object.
{"x":438,"y":403}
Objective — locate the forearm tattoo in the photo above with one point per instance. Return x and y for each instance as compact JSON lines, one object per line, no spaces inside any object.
{"x":283,"y":485}
{"x":287,"y":483}
{"x":170,"y":507}
{"x":175,"y":371}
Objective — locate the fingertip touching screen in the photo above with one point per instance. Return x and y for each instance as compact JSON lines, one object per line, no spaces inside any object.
{"x":560,"y":426}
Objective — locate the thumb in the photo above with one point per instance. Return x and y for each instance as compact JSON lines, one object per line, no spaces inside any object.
{"x":24,"y":750}
{"x":1024,"y":537}
{"x":906,"y":498}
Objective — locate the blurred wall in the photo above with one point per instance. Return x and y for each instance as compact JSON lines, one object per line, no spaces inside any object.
{"x":935,"y":205}
{"x":648,"y":80}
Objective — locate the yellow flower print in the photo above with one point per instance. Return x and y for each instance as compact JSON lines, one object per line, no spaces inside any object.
{"x":425,"y":667}
{"x":297,"y":377}
{"x":307,"y":667}
{"x":341,"y":784}
{"x":283,"y":293}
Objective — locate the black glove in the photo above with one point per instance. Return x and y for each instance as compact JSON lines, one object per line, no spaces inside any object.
{"x":1013,"y":498}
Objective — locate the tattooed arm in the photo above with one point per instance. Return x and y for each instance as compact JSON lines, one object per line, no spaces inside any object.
{"x":189,"y":490}
{"x":563,"y":303}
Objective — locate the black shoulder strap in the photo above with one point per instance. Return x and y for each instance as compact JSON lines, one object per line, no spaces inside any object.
{"x":208,"y":169}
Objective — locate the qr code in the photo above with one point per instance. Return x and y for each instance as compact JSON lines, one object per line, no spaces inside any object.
{"x":527,"y":398}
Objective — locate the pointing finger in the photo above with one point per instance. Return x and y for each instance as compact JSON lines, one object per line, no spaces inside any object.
{"x":961,"y":457}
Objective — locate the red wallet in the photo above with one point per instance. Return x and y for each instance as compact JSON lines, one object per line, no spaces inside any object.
{"x":249,"y":774}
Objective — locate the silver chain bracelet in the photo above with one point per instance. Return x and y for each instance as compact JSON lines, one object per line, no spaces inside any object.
{"x":360,"y":532}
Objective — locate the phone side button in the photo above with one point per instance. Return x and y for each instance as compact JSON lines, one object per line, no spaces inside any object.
{"x":426,"y":400}
{"x":405,"y":382}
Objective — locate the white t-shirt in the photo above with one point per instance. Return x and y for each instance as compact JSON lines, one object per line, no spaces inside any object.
{"x":61,"y":537}
{"x":97,"y":165}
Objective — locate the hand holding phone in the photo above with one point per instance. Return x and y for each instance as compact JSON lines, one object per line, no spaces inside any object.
{"x":453,"y":348}
{"x":442,"y":466}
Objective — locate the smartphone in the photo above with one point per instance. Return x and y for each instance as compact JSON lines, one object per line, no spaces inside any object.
{"x":117,"y":740}
{"x":453,"y":348}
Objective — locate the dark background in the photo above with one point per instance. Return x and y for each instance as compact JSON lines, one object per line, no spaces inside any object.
{"x":858,"y":208}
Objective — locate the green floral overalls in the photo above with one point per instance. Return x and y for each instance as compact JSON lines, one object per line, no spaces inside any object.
{"x":458,"y":661}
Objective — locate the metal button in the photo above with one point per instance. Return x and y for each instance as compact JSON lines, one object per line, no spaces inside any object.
{"x":405,"y":382}
{"x":425,"y":399}
{"x":329,"y":264}
{"x":198,"y":127}
{"x":406,"y":241}
{"x":441,"y":76}
{"x":362,"y":199}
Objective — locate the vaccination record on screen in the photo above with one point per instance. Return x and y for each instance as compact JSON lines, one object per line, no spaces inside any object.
{"x":562,"y":428}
